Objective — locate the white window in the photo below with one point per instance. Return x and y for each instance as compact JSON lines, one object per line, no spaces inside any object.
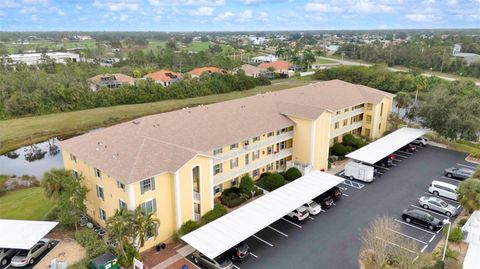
{"x":337,"y":125}
{"x":256,"y":138}
{"x":269,"y":150}
{"x":217,"y":189}
{"x":120,"y":185}
{"x":149,"y":206}
{"x":233,"y":163}
{"x":73,"y":158}
{"x":269,"y":166}
{"x":103,"y":214}
{"x":270,"y":134}
{"x":283,"y":145}
{"x":147,"y":185}
{"x":255,"y":155}
{"x":247,"y":160}
{"x":122,"y":204}
{"x":234,"y":146}
{"x":149,"y":233}
{"x":256,"y":173}
{"x":235,"y":182}
{"x":217,"y":151}
{"x":100,"y":193}
{"x":97,"y":172}
{"x":345,"y":122}
{"x":217,"y":169}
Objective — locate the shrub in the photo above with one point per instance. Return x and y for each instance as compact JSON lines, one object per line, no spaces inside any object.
{"x":188,"y":226}
{"x":455,"y":234}
{"x":258,"y":191}
{"x":131,"y":252}
{"x":217,"y":211}
{"x":273,"y":181}
{"x":349,"y":140}
{"x":246,"y":185}
{"x":235,"y":202}
{"x":292,"y":173}
{"x":462,"y":222}
{"x":228,"y":191}
{"x":262,"y":81}
{"x":93,"y":245}
{"x":339,"y":149}
{"x":452,"y":254}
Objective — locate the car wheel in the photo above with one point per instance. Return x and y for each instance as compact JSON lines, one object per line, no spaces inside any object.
{"x":408,"y":220}
{"x":449,"y":175}
{"x":4,"y":262}
{"x":431,"y":228}
{"x":31,"y":261}
{"x":435,"y":193}
{"x":195,"y":260}
{"x":425,"y":206}
{"x":296,"y":219}
{"x":49,"y":245}
{"x":448,"y":214}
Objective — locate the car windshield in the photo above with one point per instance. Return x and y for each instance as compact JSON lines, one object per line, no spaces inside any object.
{"x":429,"y":218}
{"x":23,"y":252}
{"x":443,"y":204}
{"x":221,"y":260}
{"x":312,"y":204}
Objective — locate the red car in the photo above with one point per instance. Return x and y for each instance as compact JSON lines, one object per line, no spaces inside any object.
{"x":409,"y":148}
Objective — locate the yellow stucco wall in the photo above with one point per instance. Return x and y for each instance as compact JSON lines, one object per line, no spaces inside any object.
{"x":322,"y":138}
{"x":302,"y":131}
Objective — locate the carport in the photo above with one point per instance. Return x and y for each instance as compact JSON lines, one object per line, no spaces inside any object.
{"x":386,"y":145}
{"x":23,"y":234}
{"x":220,"y":235}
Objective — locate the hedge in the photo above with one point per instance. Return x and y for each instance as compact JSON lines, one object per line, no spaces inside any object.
{"x":188,"y":227}
{"x":455,"y":234}
{"x":273,"y":181}
{"x":339,"y":149}
{"x":217,"y":211}
{"x":292,"y":173}
{"x":93,"y":245}
{"x":246,"y":185}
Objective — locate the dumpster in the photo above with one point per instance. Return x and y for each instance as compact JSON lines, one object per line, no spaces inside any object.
{"x":104,"y":261}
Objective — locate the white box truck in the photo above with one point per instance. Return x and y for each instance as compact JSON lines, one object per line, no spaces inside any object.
{"x":359,"y":171}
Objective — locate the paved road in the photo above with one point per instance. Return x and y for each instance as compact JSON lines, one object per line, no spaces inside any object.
{"x":331,"y":240}
{"x":346,"y":62}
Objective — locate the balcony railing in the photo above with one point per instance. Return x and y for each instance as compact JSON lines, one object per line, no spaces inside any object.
{"x":252,"y":147}
{"x":348,"y":114}
{"x":253,"y":165}
{"x":345,"y":129}
{"x":303,"y":168}
{"x":197,"y":217}
{"x":196,"y":196}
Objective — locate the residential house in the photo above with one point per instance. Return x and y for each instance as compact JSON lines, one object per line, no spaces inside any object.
{"x":253,"y":71}
{"x":175,"y":164}
{"x":197,"y":72}
{"x":164,"y":77}
{"x":264,"y":59}
{"x":110,"y":81}
{"x":280,"y":67}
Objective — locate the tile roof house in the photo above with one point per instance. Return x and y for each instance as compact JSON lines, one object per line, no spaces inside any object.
{"x":197,"y":72}
{"x":110,"y":81}
{"x":254,"y":71}
{"x":278,"y":66}
{"x":164,"y":77}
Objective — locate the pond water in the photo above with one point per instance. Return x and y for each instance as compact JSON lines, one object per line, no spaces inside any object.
{"x":32,"y":160}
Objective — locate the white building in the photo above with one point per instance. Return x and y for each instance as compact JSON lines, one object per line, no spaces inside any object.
{"x":468,"y":57}
{"x":35,"y":58}
{"x":264,"y":59}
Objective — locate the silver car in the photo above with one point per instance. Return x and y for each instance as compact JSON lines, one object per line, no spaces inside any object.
{"x":220,"y":262}
{"x":28,"y":256}
{"x":437,"y":204}
{"x":6,"y":254}
{"x":460,"y":173}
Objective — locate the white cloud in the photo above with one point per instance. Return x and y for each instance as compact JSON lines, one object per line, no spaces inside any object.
{"x":249,"y":2}
{"x":28,"y":10}
{"x":118,"y":5}
{"x":420,"y":17}
{"x":83,"y":19}
{"x":245,"y":15}
{"x":124,"y":17}
{"x":34,"y":17}
{"x":9,"y":4}
{"x":187,"y":2}
{"x":224,"y":16}
{"x":321,"y":8}
{"x":352,"y":7}
{"x":35,"y":2}
{"x":57,"y":10}
{"x":202,"y":11}
{"x":263,"y":16}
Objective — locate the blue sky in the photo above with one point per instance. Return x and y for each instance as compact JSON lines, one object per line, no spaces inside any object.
{"x":232,"y":15}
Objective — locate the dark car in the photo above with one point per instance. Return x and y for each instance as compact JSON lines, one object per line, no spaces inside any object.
{"x":385,"y":162}
{"x":422,"y":218}
{"x":335,"y":192}
{"x":220,"y":262}
{"x":409,"y":148}
{"x":325,"y":200}
{"x":6,"y":254}
{"x":239,"y":252}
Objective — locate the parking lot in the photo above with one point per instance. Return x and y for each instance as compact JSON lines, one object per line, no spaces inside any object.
{"x":331,"y":239}
{"x":55,"y":243}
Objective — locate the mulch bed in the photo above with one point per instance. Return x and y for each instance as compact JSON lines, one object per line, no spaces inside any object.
{"x":151,"y":257}
{"x":472,"y":159}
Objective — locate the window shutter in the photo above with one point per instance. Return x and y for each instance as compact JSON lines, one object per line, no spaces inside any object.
{"x":156,"y":229}
{"x":142,"y":189}
{"x":98,"y":193}
{"x":154,"y":205}
{"x":153,"y":183}
{"x":143,"y":207}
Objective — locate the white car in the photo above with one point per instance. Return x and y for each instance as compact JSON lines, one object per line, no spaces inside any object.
{"x":299,"y":214}
{"x":437,"y":204}
{"x":313,"y":208}
{"x":440,"y":188}
{"x":27,"y":256}
{"x":6,"y":255}
{"x":421,"y":141}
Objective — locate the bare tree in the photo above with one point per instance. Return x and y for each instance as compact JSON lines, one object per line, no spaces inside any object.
{"x":377,"y":240}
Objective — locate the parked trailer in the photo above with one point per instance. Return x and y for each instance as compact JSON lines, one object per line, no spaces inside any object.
{"x":359,"y":171}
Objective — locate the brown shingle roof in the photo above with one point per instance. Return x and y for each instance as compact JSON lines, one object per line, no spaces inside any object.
{"x":124,"y":79}
{"x":164,"y":142}
{"x":209,"y":69}
{"x":164,"y":75}
{"x":277,"y":65}
{"x":251,"y":69}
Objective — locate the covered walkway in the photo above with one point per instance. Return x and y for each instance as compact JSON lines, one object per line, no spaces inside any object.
{"x":220,"y":235}
{"x":23,"y":234}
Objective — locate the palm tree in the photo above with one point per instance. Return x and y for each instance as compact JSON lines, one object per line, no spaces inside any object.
{"x":308,"y":58}
{"x":53,"y":182}
{"x":144,"y":224}
{"x":403,"y":101}
{"x":120,"y":229}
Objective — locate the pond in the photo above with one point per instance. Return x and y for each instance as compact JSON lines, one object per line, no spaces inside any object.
{"x":32,"y":160}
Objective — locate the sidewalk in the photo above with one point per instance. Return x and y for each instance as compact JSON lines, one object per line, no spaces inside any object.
{"x":181,"y":254}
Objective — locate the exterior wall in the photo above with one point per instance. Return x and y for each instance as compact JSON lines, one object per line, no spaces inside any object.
{"x":302,"y":131}
{"x":322,"y":138}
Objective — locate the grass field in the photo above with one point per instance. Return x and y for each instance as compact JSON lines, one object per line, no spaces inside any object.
{"x":3,"y":179}
{"x":25,"y":204}
{"x":324,"y":61}
{"x":194,"y":46}
{"x":24,"y":131}
{"x":14,"y":47}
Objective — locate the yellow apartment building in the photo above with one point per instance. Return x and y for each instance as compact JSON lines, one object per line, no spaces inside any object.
{"x":174,"y":164}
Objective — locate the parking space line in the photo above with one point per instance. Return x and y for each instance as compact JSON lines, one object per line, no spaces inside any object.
{"x":429,"y":211}
{"x":345,"y":194}
{"x":413,"y":226}
{"x":312,"y":218}
{"x":381,"y":167}
{"x":393,"y":164}
{"x":452,"y":179}
{"x":442,"y":197}
{"x":424,"y":248}
{"x":235,"y":266}
{"x":342,"y":173}
{"x":401,"y":156}
{"x":407,"y":236}
{"x":431,"y":239}
{"x":393,"y":244}
{"x":255,"y":256}
{"x":439,"y":230}
{"x":380,"y":173}
{"x":405,"y":152}
{"x":294,"y":224}
{"x":468,"y":166}
{"x":459,"y":206}
{"x":396,"y":160}
{"x":260,"y":239}
{"x":284,"y":234}
{"x":343,"y":188}
{"x":321,"y":210}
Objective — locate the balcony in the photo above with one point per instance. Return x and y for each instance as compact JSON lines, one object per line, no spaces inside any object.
{"x":253,"y":165}
{"x":197,"y":217}
{"x":303,"y":168}
{"x":252,"y":147}
{"x":348,"y":114}
{"x":345,"y":129}
{"x":196,"y":196}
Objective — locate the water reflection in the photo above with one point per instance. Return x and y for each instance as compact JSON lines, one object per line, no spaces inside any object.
{"x":33,"y":159}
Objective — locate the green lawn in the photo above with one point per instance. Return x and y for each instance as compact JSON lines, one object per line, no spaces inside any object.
{"x":324,"y":61}
{"x":194,"y":46}
{"x":14,"y":47}
{"x":28,"y":130}
{"x":26,"y":204}
{"x":3,"y":179}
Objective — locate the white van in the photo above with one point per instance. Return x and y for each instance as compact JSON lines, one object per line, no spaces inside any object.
{"x":440,"y":188}
{"x":359,"y":171}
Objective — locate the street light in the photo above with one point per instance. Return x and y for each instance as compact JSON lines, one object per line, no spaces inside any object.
{"x":446,"y":221}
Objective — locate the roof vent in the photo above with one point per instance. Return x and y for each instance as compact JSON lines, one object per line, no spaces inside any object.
{"x":97,"y":149}
{"x":135,"y":122}
{"x":114,"y":156}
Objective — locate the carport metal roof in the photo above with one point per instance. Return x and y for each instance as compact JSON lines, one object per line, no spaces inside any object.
{"x":220,"y":235}
{"x":23,"y":234}
{"x":386,"y":145}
